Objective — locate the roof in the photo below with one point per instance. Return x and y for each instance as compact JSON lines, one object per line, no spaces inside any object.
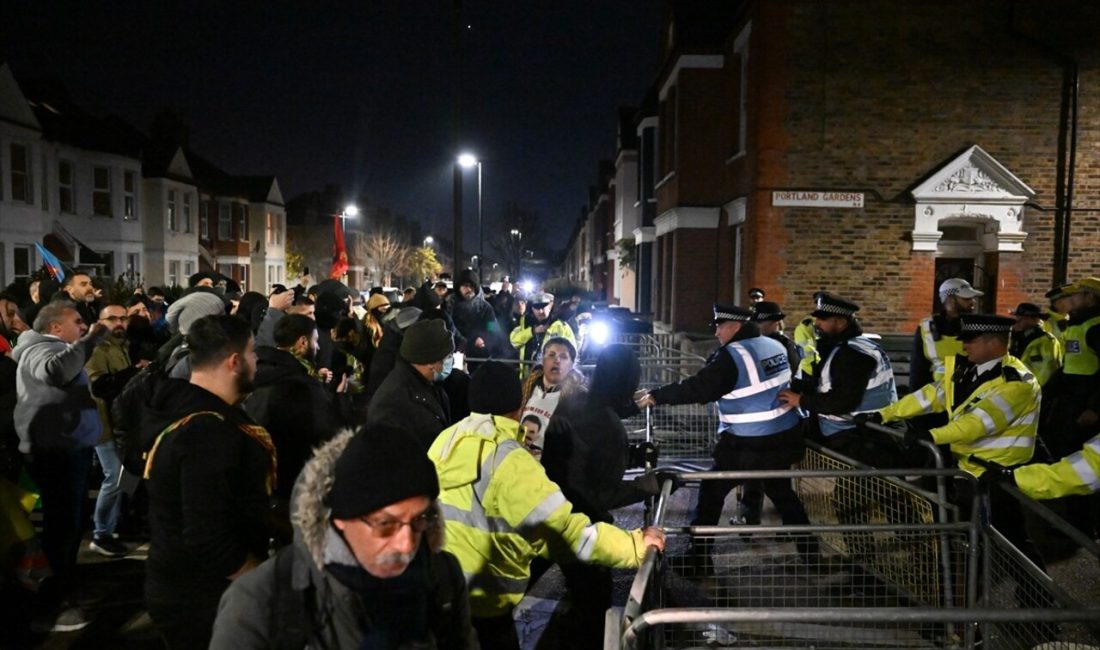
{"x":65,"y":122}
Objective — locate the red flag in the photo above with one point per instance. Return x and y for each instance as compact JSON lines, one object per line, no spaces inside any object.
{"x":339,"y":251}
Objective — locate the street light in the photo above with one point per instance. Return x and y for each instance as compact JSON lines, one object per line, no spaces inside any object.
{"x":517,"y":237}
{"x":350,"y":210}
{"x":428,"y":241}
{"x":466,"y":161}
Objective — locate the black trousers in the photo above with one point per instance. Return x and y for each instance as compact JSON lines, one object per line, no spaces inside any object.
{"x":62,"y":480}
{"x":733,"y":453}
{"x":496,"y":632}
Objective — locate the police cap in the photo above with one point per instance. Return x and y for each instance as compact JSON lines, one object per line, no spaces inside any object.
{"x":826,"y":305}
{"x":974,"y":325}
{"x":723,"y":313}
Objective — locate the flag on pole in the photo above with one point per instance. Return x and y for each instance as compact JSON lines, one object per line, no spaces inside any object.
{"x":339,"y":251}
{"x":52,"y":264}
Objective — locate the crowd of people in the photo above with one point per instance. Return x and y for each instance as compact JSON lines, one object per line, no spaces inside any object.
{"x":312,"y":467}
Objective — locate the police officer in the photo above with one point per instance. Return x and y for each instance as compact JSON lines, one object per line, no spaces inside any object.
{"x":992,"y":403}
{"x":853,"y":375}
{"x":1040,"y":351}
{"x":1061,"y":301}
{"x":1074,"y":414}
{"x":757,"y":432}
{"x":769,"y":316}
{"x":936,"y":337}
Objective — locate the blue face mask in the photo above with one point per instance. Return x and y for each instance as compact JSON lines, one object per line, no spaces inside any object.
{"x":448,"y":366}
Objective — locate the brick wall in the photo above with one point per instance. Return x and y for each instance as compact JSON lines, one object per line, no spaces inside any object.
{"x":875,"y":100}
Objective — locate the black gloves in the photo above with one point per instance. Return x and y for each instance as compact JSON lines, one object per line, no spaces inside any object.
{"x":994,"y":472}
{"x":648,"y":483}
{"x":863,"y":419}
{"x":641,"y":454}
{"x":914,"y":436}
{"x":669,"y":475}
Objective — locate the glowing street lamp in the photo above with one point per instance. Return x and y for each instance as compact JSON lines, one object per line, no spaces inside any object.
{"x":468,"y":161}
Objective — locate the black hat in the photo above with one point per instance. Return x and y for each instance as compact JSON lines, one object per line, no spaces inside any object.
{"x":723,"y":313}
{"x":427,"y":341}
{"x":974,"y":325}
{"x":756,"y":291}
{"x":826,"y":305}
{"x":1029,"y":309}
{"x":379,"y":468}
{"x":495,"y":389}
{"x":767,"y":311}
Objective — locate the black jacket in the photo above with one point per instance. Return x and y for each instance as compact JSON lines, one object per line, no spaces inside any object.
{"x":295,"y":408}
{"x":849,"y":373}
{"x":208,"y":502}
{"x":475,"y":318}
{"x":385,"y":357}
{"x":408,"y":401}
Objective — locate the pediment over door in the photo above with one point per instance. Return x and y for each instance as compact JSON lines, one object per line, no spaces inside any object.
{"x":972,"y":189}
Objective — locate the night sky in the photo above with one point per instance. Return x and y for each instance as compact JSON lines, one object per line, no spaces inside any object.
{"x":361,"y":94}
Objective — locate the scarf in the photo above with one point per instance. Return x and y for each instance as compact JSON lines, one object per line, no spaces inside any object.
{"x":396,"y":608}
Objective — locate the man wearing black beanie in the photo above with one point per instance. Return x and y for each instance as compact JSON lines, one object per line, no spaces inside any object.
{"x":366,"y":569}
{"x":502,"y":509}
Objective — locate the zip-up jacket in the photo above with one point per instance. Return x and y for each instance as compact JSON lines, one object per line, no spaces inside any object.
{"x":996,"y":422}
{"x":1040,"y":351}
{"x":54,"y":410}
{"x":935,"y":340}
{"x":502,"y":511}
{"x":856,"y":377}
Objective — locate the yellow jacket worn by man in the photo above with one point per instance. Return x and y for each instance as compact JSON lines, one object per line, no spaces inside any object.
{"x":1040,"y":350}
{"x":500,"y":508}
{"x":990,"y":397}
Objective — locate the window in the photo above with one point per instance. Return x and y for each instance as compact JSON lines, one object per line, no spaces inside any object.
{"x":270,"y":232}
{"x":65,"y":187}
{"x":189,"y":268}
{"x":225,"y":222}
{"x":271,"y":277}
{"x":187,"y":212}
{"x":204,"y":220}
{"x":244,"y":277}
{"x":242,"y":222}
{"x":741,"y":50}
{"x":226,"y":270}
{"x":133,"y":265}
{"x":23,"y":265}
{"x":128,"y":196}
{"x":21,"y":174}
{"x":174,"y":273}
{"x":44,"y":186}
{"x":667,"y":150}
{"x":101,"y":191}
{"x":173,"y":223}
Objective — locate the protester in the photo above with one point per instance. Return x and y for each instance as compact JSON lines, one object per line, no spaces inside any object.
{"x":549,"y":385}
{"x":474,"y":317}
{"x":366,"y":570}
{"x":502,"y":510}
{"x":58,"y":426}
{"x":210,"y":476}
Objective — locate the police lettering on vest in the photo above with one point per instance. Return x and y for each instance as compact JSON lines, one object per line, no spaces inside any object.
{"x":753,"y":408}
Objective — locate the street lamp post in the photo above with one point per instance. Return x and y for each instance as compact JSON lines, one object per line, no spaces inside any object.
{"x":517,"y":238}
{"x":466,"y":161}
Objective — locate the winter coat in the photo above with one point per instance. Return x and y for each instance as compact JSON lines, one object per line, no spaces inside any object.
{"x":295,"y":408}
{"x":405,"y":399}
{"x":335,"y":615}
{"x":208,"y":494}
{"x":109,"y":369}
{"x":502,"y":511}
{"x":55,"y":410}
{"x":475,"y":318}
{"x":385,"y":357}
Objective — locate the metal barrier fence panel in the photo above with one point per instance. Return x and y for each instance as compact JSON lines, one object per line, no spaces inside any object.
{"x":878,"y":581}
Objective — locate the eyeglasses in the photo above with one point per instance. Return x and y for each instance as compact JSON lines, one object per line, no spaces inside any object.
{"x":389,"y":527}
{"x":117,"y":319}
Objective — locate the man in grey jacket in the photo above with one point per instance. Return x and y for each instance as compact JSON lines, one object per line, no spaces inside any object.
{"x":58,"y":427}
{"x":366,"y":569}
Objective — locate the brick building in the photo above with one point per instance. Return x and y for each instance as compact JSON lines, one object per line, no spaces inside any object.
{"x":810,"y":145}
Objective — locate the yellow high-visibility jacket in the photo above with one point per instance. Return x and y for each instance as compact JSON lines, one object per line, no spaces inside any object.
{"x":938,"y":348}
{"x":998,"y":422}
{"x":521,"y":336}
{"x":501,"y":511}
{"x":806,"y":338}
{"x":1043,"y":356}
{"x":1078,"y":473}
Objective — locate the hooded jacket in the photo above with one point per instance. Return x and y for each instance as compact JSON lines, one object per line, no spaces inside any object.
{"x":474,"y":317}
{"x":337,"y":618}
{"x":586,"y":444}
{"x":208,"y":493}
{"x":502,"y":511}
{"x":295,"y":408}
{"x":55,"y":410}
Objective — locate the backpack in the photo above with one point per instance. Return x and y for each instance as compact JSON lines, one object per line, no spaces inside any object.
{"x":126,"y":409}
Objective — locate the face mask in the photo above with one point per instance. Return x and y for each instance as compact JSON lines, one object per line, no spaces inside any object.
{"x":448,"y":366}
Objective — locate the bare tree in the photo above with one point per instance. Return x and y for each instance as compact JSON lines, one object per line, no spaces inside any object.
{"x":518,"y":228}
{"x":383,"y":253}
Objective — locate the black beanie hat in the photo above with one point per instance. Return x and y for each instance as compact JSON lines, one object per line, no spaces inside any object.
{"x":427,"y":341}
{"x":495,"y":389}
{"x":379,"y":468}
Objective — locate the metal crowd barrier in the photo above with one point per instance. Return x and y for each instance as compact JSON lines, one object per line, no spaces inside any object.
{"x":879,"y":581}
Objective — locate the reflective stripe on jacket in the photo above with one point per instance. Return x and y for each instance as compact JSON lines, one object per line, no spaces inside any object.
{"x":998,"y":422}
{"x":501,"y":511}
{"x":1078,"y":473}
{"x":753,"y":408}
{"x":1080,"y":358}
{"x":1043,"y":356}
{"x":938,"y":347}
{"x":880,"y":392}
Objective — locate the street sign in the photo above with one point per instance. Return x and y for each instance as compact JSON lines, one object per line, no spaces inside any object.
{"x":817,"y":199}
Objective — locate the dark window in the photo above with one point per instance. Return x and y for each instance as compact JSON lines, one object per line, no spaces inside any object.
{"x":101,"y":191}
